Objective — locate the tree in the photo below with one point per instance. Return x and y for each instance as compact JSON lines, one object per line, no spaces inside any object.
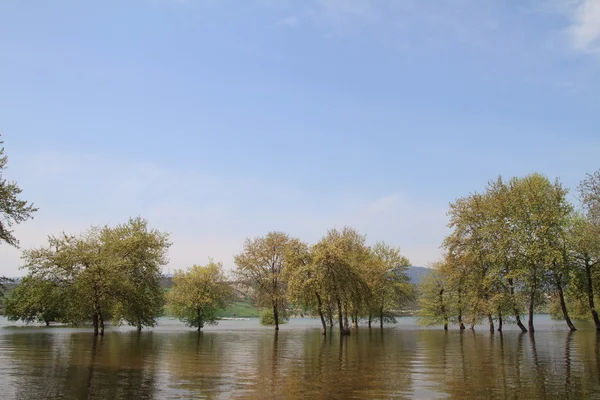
{"x":435,"y":306}
{"x":589,"y":195}
{"x":199,"y":293}
{"x":388,"y":283}
{"x":38,"y":300}
{"x":139,"y":253}
{"x":585,"y":251}
{"x":110,"y":272}
{"x":338,"y":259}
{"x":12,"y":209}
{"x":261,"y":267}
{"x":305,"y":289}
{"x":509,"y":245}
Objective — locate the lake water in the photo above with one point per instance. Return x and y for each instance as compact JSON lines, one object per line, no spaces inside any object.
{"x":241,"y":359}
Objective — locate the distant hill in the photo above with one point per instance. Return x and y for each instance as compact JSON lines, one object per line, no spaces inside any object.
{"x":416,"y":274}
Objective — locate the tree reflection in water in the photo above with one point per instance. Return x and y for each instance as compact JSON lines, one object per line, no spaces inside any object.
{"x":300,"y":363}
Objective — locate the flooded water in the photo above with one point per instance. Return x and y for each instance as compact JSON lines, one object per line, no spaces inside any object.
{"x":241,"y":359}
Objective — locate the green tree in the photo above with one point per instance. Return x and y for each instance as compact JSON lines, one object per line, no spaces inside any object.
{"x":585,"y":252}
{"x":199,"y":293}
{"x":305,"y":289}
{"x":139,"y":253}
{"x":38,"y":300}
{"x":13,"y":210}
{"x":261,"y":266}
{"x":389,"y":286}
{"x":110,"y":272}
{"x":338,"y":259}
{"x":435,"y":307}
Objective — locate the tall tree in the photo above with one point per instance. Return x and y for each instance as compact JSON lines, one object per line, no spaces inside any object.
{"x":338,"y":259}
{"x":435,"y":306}
{"x":388,"y":282}
{"x":261,"y":267}
{"x":199,"y":293}
{"x":305,"y":289}
{"x":585,"y":252}
{"x":111,"y":272}
{"x":139,"y":253}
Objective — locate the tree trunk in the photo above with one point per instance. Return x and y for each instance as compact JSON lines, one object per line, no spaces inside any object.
{"x":95,"y":322}
{"x":355,"y":320}
{"x":381,"y":317}
{"x":320,"y":309}
{"x":531,"y":306}
{"x":499,"y":321}
{"x":590,"y":293}
{"x":461,"y":324}
{"x":370,"y":319}
{"x":47,"y":322}
{"x":276,"y":315}
{"x":445,"y":324}
{"x":515,"y":310}
{"x":340,"y":317}
{"x":563,"y":305}
{"x":491,"y":322}
{"x":346,"y":325}
{"x":139,"y":325}
{"x":101,"y":323}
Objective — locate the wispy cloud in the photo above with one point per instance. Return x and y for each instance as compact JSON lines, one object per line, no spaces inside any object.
{"x":584,"y":30}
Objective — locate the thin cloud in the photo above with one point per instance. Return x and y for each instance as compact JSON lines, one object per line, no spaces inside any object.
{"x":584,"y":30}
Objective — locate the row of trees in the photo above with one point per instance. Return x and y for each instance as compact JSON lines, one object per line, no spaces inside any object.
{"x":107,"y":273}
{"x":339,"y":278}
{"x":515,"y":248}
{"x":114,"y":273}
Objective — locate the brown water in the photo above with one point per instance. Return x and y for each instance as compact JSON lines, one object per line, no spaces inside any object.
{"x":241,"y":359}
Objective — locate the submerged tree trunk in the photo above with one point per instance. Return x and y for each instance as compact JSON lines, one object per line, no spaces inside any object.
{"x":346,"y":325}
{"x":445,"y":324}
{"x":95,"y":323}
{"x":139,"y":325}
{"x":461,"y":325}
{"x":531,"y":306}
{"x":381,"y":317}
{"x":491,"y":322}
{"x":101,"y":323}
{"x":340,"y":317}
{"x":499,"y":321}
{"x":199,"y":318}
{"x":320,"y":309}
{"x":590,"y":293}
{"x":276,"y":315}
{"x":370,"y":319}
{"x":563,"y":305}
{"x":515,"y":309}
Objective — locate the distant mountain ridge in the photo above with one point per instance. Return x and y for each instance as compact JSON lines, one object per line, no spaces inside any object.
{"x":417,"y":274}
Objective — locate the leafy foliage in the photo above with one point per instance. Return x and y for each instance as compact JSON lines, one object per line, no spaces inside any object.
{"x":199,"y":294}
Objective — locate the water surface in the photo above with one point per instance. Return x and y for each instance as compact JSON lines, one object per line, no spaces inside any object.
{"x":241,"y":359}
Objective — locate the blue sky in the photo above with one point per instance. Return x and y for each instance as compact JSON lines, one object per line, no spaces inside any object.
{"x":219,"y":120}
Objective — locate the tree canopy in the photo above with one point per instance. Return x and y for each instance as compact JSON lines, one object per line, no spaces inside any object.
{"x":199,"y":293}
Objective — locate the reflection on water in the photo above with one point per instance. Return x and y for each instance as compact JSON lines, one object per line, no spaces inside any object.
{"x":241,"y":360}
